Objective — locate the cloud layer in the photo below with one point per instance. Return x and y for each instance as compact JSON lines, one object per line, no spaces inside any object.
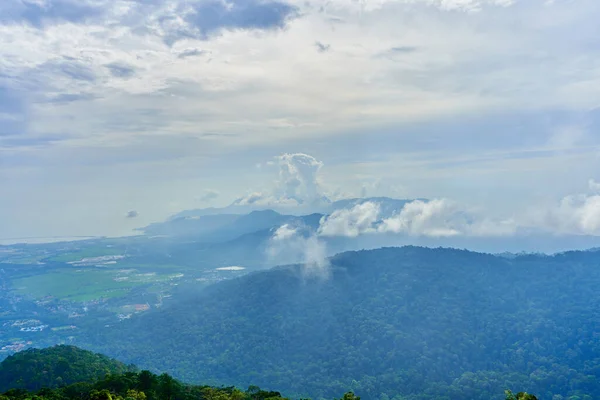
{"x":110,"y":105}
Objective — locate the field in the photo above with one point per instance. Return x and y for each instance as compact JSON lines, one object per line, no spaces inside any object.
{"x":86,"y":284}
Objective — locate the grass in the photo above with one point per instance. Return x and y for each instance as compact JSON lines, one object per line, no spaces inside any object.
{"x":84,"y":284}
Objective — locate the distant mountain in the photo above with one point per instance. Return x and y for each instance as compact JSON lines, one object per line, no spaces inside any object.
{"x":400,"y":323}
{"x":225,"y":227}
{"x":55,"y":366}
{"x":219,"y":224}
{"x":388,"y":206}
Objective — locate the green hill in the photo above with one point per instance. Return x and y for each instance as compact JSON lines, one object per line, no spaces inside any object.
{"x":398,"y":323}
{"x":129,"y":385}
{"x":55,"y":366}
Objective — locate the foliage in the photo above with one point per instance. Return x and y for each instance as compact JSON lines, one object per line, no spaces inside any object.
{"x":56,"y":366}
{"x":139,"y":386}
{"x":390,"y":324}
{"x":145,"y":385}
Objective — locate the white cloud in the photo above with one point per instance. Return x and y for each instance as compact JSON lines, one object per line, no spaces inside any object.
{"x":575,"y":214}
{"x":297,"y":184}
{"x":352,"y":222}
{"x":296,"y":245}
{"x":298,"y":177}
{"x":434,"y":218}
{"x":578,"y":214}
{"x":238,"y":93}
{"x":444,"y":218}
{"x":284,"y":232}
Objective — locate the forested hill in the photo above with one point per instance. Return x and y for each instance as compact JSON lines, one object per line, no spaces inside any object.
{"x":55,"y":366}
{"x":130,"y":385}
{"x":396,"y":323}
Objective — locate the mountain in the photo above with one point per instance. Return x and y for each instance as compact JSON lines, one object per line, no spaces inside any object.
{"x":224,"y":223}
{"x":55,"y":366}
{"x":225,"y":227}
{"x":395,"y":323}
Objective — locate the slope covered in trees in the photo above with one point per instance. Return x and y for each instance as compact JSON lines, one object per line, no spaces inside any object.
{"x":55,"y":366}
{"x":129,"y":385}
{"x":139,"y":386}
{"x":396,"y":323}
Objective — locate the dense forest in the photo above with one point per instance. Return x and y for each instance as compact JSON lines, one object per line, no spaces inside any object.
{"x":56,"y":366}
{"x":27,"y":368}
{"x":396,"y":323}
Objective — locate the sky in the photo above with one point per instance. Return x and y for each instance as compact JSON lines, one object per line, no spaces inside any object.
{"x":118,"y":113}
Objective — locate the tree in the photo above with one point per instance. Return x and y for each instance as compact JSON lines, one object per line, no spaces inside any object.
{"x":519,"y":396}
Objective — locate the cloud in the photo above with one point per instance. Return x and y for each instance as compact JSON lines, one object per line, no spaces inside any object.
{"x":460,"y":105}
{"x":577,"y":214}
{"x":284,"y":232}
{"x":321,"y":47}
{"x":132,"y":214}
{"x":433,"y":218}
{"x":209,"y":194}
{"x":69,"y":68}
{"x":437,"y":218}
{"x":290,"y":244}
{"x":298,"y":177}
{"x":352,"y":222}
{"x":120,"y":70}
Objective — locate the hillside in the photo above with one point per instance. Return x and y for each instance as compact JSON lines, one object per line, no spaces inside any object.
{"x":130,"y":385}
{"x":55,"y":366}
{"x":143,"y":385}
{"x":401,"y":323}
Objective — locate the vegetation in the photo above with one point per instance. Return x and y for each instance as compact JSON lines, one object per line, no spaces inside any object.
{"x":400,"y":324}
{"x":30,"y":366}
{"x":56,"y":366}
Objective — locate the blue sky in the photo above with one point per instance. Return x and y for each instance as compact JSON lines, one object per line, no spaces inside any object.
{"x":112,"y":106}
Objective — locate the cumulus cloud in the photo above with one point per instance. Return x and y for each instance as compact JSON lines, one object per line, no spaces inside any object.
{"x":437,"y":217}
{"x":298,"y":177}
{"x":443,"y":218}
{"x":297,"y":184}
{"x":434,"y":218}
{"x":351,"y":222}
{"x":575,"y":214}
